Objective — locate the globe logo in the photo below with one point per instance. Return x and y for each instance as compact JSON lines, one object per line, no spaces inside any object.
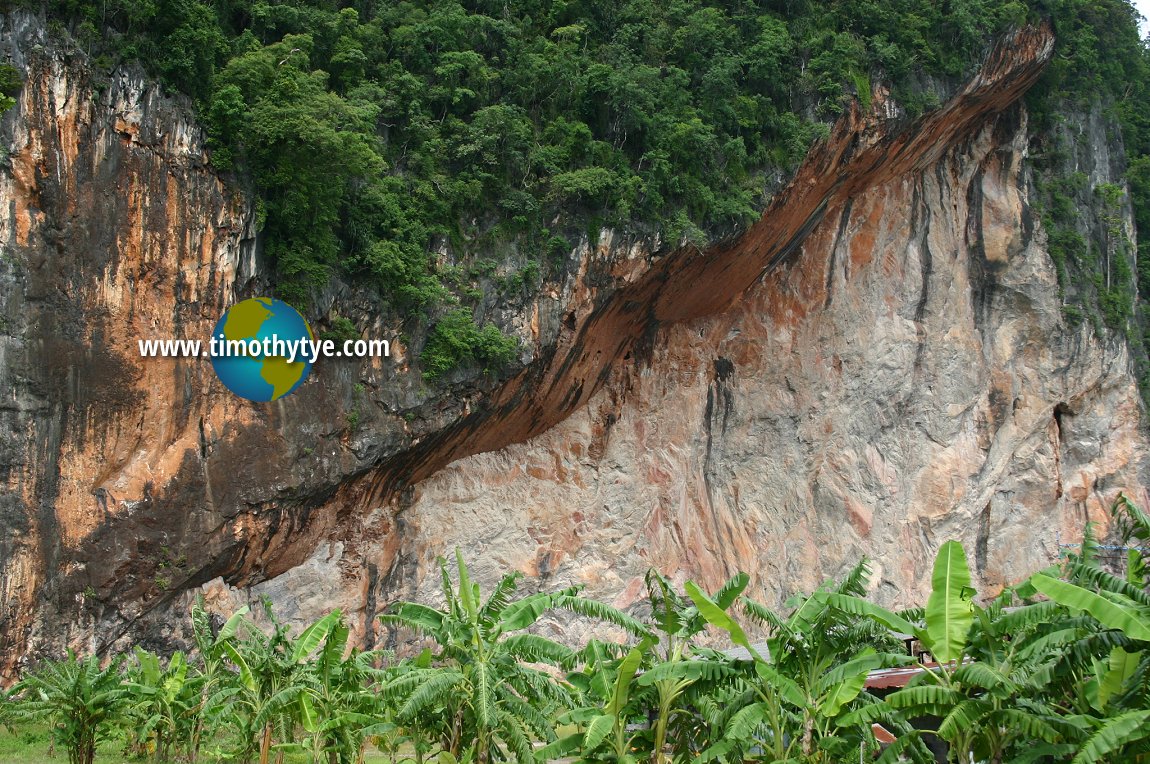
{"x":249,"y":349}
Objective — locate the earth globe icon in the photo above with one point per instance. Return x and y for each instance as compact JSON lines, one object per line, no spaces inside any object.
{"x":266,"y":326}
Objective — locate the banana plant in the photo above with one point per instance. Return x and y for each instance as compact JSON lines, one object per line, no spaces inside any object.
{"x":679,"y":673}
{"x":81,"y":701}
{"x":602,"y":732}
{"x":1120,"y":603}
{"x":949,"y":610}
{"x":213,"y":672}
{"x":163,"y":702}
{"x":1112,"y":609}
{"x":1012,"y":669}
{"x":659,"y":681}
{"x":336,"y":707}
{"x":945,"y":630}
{"x":793,"y":700}
{"x":1115,"y":652}
{"x":261,"y":702}
{"x":391,"y":734}
{"x":482,"y":686}
{"x":999,"y":703}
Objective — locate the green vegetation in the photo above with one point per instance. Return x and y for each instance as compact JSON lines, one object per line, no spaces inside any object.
{"x":372,"y":130}
{"x":342,"y":329}
{"x":1055,"y":669}
{"x":32,"y":744}
{"x":456,"y":340}
{"x":1100,"y":65}
{"x":376,"y":133}
{"x":484,"y":690}
{"x":79,"y":698}
{"x":10,"y":84}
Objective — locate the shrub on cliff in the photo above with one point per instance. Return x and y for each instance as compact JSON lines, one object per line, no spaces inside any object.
{"x":456,"y":340}
{"x":10,"y":84}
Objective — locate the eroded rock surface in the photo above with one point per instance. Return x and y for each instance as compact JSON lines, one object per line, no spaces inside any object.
{"x":906,"y":379}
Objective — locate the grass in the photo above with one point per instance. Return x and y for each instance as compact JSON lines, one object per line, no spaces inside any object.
{"x":31,"y":745}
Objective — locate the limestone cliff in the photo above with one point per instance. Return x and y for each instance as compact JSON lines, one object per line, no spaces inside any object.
{"x":879,"y":364}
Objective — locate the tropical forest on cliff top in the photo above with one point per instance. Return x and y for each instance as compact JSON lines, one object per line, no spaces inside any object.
{"x":374,"y":135}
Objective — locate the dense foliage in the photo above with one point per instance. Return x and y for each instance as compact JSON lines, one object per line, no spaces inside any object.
{"x":10,"y":84}
{"x":376,"y":134}
{"x":456,"y":340}
{"x":1055,"y":669}
{"x":365,"y":123}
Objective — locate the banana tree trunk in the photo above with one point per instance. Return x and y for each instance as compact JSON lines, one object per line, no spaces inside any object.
{"x":194,"y":744}
{"x":808,"y":734}
{"x":657,"y":755}
{"x":266,"y":744}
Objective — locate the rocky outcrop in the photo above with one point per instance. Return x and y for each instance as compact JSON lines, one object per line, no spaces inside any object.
{"x":904,"y":376}
{"x":905,"y":380}
{"x":879,"y":364}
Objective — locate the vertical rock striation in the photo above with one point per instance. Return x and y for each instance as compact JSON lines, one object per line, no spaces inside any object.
{"x":906,"y":379}
{"x":112,"y":228}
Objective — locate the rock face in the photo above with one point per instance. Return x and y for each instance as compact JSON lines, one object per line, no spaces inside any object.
{"x":900,"y":375}
{"x":112,"y":229}
{"x":907,"y":379}
{"x":125,"y":481}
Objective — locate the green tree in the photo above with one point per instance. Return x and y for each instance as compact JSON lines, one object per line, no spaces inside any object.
{"x":306,"y":146}
{"x":376,"y":132}
{"x":10,"y":84}
{"x":678,"y":671}
{"x":455,"y":340}
{"x":336,"y":706}
{"x":795,"y":700}
{"x":602,"y":722}
{"x":261,"y":702}
{"x":212,"y":676}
